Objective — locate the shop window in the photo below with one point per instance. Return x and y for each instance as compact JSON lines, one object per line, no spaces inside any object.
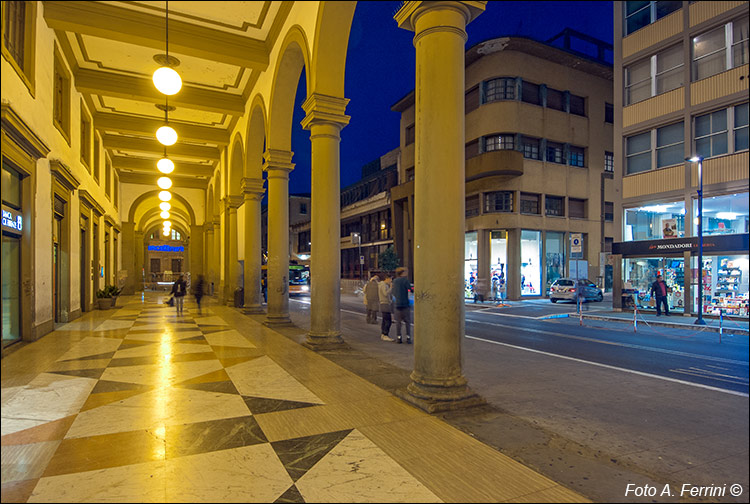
{"x":555,"y":99}
{"x":505,"y":141}
{"x":555,"y":153}
{"x":472,"y":205}
{"x":576,"y":156}
{"x":640,"y":274}
{"x":577,"y":105}
{"x":530,"y":203}
{"x":470,"y":262}
{"x":530,"y":93}
{"x":498,"y":262}
{"x":500,"y":89}
{"x":531,"y":262}
{"x":61,"y":97}
{"x":720,"y":49}
{"x":609,"y":211}
{"x":654,"y":75}
{"x":725,"y":283}
{"x":554,"y":248}
{"x":409,"y":135}
{"x":554,"y":205}
{"x":655,"y":222}
{"x":576,"y":208}
{"x":640,"y":14}
{"x":85,"y":138}
{"x":499,"y":201}
{"x":530,"y":147}
{"x":471,"y":99}
{"x":19,"y":27}
{"x":726,"y":214}
{"x":609,"y":162}
{"x":609,"y":113}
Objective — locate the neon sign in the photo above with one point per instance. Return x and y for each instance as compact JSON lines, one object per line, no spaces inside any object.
{"x":12,"y":220}
{"x":166,"y":248}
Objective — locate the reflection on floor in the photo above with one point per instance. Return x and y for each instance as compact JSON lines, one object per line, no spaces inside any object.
{"x":140,"y":404}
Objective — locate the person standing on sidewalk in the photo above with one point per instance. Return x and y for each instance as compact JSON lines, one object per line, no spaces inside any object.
{"x":386,"y":308}
{"x":198,"y":292}
{"x":179,"y":289}
{"x":371,"y":300}
{"x":401,"y":294}
{"x":659,"y":290}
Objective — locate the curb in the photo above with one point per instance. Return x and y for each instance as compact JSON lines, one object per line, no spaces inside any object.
{"x":742,"y":332}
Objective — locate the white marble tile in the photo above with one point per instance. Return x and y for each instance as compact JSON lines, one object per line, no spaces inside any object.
{"x":26,"y":461}
{"x":156,"y":349}
{"x":109,"y":325}
{"x":131,"y":483}
{"x":262,"y":377}
{"x":91,"y":346}
{"x":162,"y":335}
{"x":162,"y":374}
{"x":247,"y":474}
{"x":231,"y":337}
{"x":79,"y":325}
{"x":47,"y":397}
{"x":356,"y":470}
{"x":211,"y":320}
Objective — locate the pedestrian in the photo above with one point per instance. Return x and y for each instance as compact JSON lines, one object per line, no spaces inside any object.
{"x":581,"y":293}
{"x":385,"y":297}
{"x":371,"y":300}
{"x":264,"y":288}
{"x":659,"y":290}
{"x":179,"y":288}
{"x":401,"y":295}
{"x":198,"y":291}
{"x":481,"y":289}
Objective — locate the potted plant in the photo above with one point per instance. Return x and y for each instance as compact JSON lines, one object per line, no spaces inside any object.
{"x":107,"y":297}
{"x":114,"y":292}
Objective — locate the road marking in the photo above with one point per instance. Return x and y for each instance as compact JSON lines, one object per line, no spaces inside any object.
{"x":613,"y":343}
{"x":640,"y":373}
{"x":341,"y":309}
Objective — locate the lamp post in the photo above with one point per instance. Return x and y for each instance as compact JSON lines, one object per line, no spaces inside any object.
{"x":699,"y":160}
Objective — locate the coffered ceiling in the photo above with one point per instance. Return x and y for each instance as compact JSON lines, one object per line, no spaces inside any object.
{"x":110,"y":46}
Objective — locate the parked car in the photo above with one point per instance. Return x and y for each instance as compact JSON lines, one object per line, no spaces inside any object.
{"x":565,"y":289}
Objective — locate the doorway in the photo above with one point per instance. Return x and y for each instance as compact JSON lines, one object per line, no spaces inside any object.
{"x":83,"y":271}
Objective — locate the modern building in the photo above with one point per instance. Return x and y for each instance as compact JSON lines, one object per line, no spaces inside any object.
{"x":681,"y":91}
{"x":538,"y":149}
{"x":299,"y":212}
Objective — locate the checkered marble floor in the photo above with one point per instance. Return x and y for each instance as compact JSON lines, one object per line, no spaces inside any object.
{"x":140,"y":404}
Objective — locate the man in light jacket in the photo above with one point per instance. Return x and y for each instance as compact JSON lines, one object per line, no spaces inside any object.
{"x":386,"y":308}
{"x":371,"y":300}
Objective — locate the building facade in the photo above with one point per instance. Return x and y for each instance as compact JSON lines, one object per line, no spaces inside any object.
{"x":681,"y":91}
{"x":538,"y":166}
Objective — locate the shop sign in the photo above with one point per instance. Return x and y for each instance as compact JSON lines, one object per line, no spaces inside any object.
{"x":675,"y":246}
{"x":165,"y":248}
{"x":12,"y":220}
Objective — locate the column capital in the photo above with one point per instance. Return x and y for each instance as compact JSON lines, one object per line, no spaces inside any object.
{"x":325,"y":109}
{"x":208,"y":227}
{"x":407,"y":15}
{"x":232,"y":202}
{"x":253,"y":188}
{"x":278,"y":160}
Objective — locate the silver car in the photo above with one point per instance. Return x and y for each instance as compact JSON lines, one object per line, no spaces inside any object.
{"x":565,"y":289}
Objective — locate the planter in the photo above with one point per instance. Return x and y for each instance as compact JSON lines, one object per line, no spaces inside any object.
{"x":114,"y":301}
{"x":104,"y":303}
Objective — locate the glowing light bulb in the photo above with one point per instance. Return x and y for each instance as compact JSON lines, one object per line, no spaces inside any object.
{"x":165,"y":165}
{"x":167,"y":80}
{"x":165,"y":206}
{"x":165,"y":195}
{"x":164,"y":182}
{"x":167,"y":224}
{"x":164,"y":214}
{"x":166,"y":232}
{"x":166,"y":135}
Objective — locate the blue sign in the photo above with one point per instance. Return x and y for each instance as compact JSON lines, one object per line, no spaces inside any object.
{"x":166,"y":248}
{"x":12,"y":220}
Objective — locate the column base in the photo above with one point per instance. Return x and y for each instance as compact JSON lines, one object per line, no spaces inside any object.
{"x":434,"y":399}
{"x":326,"y":341}
{"x":253,"y":310}
{"x":277,"y":320}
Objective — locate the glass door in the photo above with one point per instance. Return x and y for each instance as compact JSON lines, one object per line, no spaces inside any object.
{"x":11,"y":289}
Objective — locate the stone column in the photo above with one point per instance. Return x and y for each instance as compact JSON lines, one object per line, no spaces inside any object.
{"x":140,"y":260}
{"x":483,"y":260}
{"x":253,"y":189}
{"x":231,"y":263}
{"x":437,"y":382}
{"x":325,"y":119}
{"x":278,"y":164}
{"x":218,"y":235}
{"x":128,"y":260}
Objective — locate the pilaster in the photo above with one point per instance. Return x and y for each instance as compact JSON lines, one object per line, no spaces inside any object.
{"x":253,"y":192}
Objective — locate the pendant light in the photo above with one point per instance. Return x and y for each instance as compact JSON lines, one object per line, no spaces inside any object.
{"x":165,"y":195}
{"x":164,"y":182}
{"x":165,"y":165}
{"x":164,"y":206}
{"x":164,"y":214}
{"x":165,"y":78}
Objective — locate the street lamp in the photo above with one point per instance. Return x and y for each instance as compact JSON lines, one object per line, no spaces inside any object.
{"x":699,"y":160}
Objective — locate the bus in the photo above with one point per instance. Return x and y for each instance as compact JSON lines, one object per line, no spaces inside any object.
{"x":299,"y":279}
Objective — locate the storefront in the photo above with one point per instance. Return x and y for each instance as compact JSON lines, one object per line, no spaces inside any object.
{"x":725,"y":273}
{"x":531,"y":263}
{"x":12,"y":228}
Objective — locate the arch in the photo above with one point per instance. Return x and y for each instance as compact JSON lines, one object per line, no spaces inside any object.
{"x":177,"y":215}
{"x":295,"y":55}
{"x":332,"y":31}
{"x":154,"y":228}
{"x":256,"y":139}
{"x":236,"y":167}
{"x":154,"y":195}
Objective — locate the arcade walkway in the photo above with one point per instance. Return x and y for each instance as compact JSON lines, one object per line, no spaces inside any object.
{"x":140,"y":405}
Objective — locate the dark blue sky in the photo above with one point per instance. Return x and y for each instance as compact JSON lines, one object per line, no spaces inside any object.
{"x":380,"y":71}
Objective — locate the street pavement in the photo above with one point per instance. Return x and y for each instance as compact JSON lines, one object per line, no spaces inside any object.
{"x":594,"y":407}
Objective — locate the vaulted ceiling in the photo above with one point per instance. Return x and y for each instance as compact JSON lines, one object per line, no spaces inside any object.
{"x":221,"y":46}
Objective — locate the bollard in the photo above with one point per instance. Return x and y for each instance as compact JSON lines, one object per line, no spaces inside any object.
{"x":721,"y":323}
{"x":635,"y":318}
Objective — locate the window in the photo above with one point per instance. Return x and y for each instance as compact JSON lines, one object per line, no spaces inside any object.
{"x":710,"y":54}
{"x":640,"y":14}
{"x":19,"y":26}
{"x":638,"y":153}
{"x":303,"y":241}
{"x":655,"y":221}
{"x":11,"y":187}
{"x":409,"y":135}
{"x":471,"y":99}
{"x":741,"y":127}
{"x":472,"y":205}
{"x":176,"y":235}
{"x":711,"y":134}
{"x":609,"y":162}
{"x":726,"y":214}
{"x":576,"y":208}
{"x":530,"y":203}
{"x":96,"y":158}
{"x":107,"y":178}
{"x":61,"y":97}
{"x":176,"y":265}
{"x":530,"y":147}
{"x":555,"y":153}
{"x":530,"y":93}
{"x":577,"y":104}
{"x":385,"y":224}
{"x":576,"y":156}
{"x":609,"y":211}
{"x":499,"y":201}
{"x":554,"y":205}
{"x":472,"y":149}
{"x":608,"y":244}
{"x":155,"y":265}
{"x":658,"y":74}
{"x":409,"y":174}
{"x":609,"y":113}
{"x":303,"y":208}
{"x":503,"y":141}
{"x":555,"y":99}
{"x":116,"y":189}
{"x":85,"y":138}
{"x":500,"y":89}
{"x":670,"y":141}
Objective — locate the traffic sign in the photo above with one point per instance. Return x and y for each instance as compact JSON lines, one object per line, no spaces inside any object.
{"x":361,"y":259}
{"x":576,"y":243}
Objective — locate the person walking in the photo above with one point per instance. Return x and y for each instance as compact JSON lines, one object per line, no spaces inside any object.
{"x":386,"y":308}
{"x":179,"y":289}
{"x":198,"y":291}
{"x":371,"y":300}
{"x":401,"y":295}
{"x":659,"y":290}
